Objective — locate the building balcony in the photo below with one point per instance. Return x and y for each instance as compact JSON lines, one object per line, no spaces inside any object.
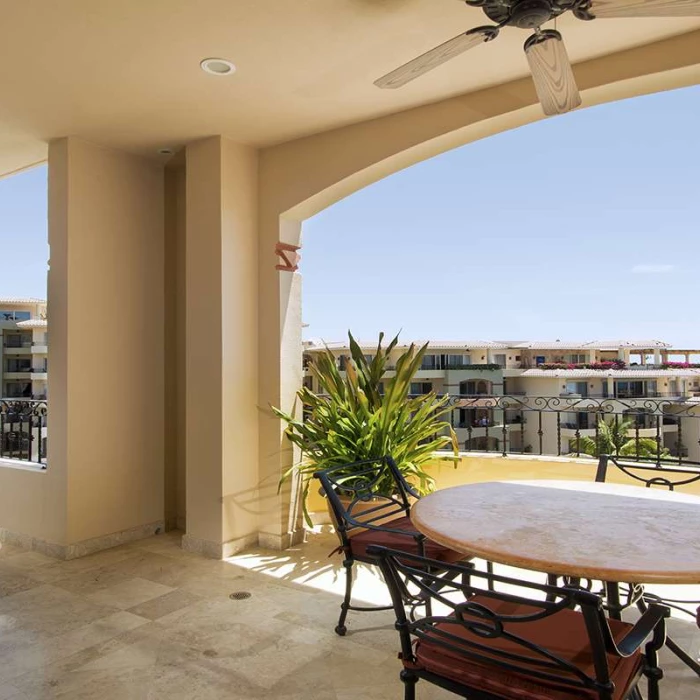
{"x":14,"y":350}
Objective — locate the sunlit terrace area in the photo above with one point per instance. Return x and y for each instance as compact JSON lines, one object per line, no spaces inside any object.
{"x":148,"y":620}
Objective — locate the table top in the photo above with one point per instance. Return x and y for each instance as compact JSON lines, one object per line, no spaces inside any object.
{"x":606,"y":532}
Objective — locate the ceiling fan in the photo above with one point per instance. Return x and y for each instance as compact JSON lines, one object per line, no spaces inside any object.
{"x":545,"y":50}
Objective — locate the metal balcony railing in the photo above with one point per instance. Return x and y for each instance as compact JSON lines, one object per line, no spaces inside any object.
{"x":576,"y":426}
{"x":23,"y":430}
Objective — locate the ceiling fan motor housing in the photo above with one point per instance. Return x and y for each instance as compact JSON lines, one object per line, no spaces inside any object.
{"x":528,"y":14}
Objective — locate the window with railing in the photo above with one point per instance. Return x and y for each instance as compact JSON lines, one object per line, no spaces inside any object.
{"x":429,"y":362}
{"x":579,"y":388}
{"x":635,"y":389}
{"x":18,"y":365}
{"x":457,"y":361}
{"x":420,"y":388}
{"x":17,"y":390}
{"x":17,"y":340}
{"x":499,"y":360}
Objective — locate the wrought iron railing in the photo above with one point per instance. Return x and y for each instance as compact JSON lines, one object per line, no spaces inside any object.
{"x":650,"y":428}
{"x":23,"y":430}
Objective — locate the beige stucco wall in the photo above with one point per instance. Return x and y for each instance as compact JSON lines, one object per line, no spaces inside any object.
{"x":106,"y":288}
{"x":32,"y":504}
{"x":221,"y":344}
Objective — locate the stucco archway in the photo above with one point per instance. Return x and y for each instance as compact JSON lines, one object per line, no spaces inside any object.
{"x":302,"y":177}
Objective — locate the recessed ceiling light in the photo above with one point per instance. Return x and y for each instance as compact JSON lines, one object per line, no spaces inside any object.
{"x":217,"y":66}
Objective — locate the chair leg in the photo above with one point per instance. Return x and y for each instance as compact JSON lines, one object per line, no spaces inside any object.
{"x":653,"y":689}
{"x":340,"y":628}
{"x":682,"y":654}
{"x":409,"y":684}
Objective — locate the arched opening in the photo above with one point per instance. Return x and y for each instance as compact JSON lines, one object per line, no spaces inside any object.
{"x":521,"y":294}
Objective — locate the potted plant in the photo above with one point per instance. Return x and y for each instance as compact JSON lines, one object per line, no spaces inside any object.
{"x":364,"y":414}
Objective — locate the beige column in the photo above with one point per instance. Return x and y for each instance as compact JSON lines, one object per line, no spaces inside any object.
{"x":106,"y":352}
{"x":221,"y":360}
{"x":281,"y":354}
{"x":175,"y":344}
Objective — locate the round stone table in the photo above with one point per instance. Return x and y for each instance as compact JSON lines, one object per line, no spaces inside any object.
{"x":588,"y":530}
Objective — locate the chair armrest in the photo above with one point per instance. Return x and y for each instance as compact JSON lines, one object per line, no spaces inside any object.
{"x":653,"y":620}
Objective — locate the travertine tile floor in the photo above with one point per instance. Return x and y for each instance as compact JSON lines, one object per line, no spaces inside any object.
{"x":147,"y":621}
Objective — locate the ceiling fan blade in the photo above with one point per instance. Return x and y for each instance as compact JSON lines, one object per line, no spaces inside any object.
{"x":644,"y":8}
{"x":436,"y":57}
{"x":551,"y":72}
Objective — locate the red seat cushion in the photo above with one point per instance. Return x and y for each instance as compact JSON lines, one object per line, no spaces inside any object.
{"x":402,"y":538}
{"x":563,"y":634}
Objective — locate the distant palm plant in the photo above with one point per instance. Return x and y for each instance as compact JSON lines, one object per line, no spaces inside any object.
{"x":614,"y":439}
{"x":367,"y":415}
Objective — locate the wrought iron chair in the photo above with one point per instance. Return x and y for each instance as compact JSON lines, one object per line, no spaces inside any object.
{"x":364,"y":518}
{"x":497,"y":645}
{"x":663,"y":475}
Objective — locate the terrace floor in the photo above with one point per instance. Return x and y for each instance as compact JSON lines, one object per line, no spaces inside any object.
{"x":147,"y":621}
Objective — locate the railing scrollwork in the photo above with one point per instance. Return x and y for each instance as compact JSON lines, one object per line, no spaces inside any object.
{"x":23,"y":430}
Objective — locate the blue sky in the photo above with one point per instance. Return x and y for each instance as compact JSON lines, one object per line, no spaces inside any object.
{"x":585,"y":226}
{"x":24,"y":249}
{"x":581,"y":226}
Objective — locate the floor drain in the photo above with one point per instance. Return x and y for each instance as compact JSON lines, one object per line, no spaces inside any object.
{"x":240,"y":595}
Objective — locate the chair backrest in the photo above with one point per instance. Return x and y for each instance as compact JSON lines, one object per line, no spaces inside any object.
{"x":474,"y":613}
{"x":369,"y":492}
{"x":665,"y":475}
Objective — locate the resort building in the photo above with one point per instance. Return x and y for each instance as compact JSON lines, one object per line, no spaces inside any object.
{"x":542,"y":396}
{"x":23,"y":348}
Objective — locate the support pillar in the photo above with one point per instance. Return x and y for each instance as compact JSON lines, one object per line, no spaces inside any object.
{"x":107,"y":346}
{"x":281,"y":354}
{"x":221,"y":359}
